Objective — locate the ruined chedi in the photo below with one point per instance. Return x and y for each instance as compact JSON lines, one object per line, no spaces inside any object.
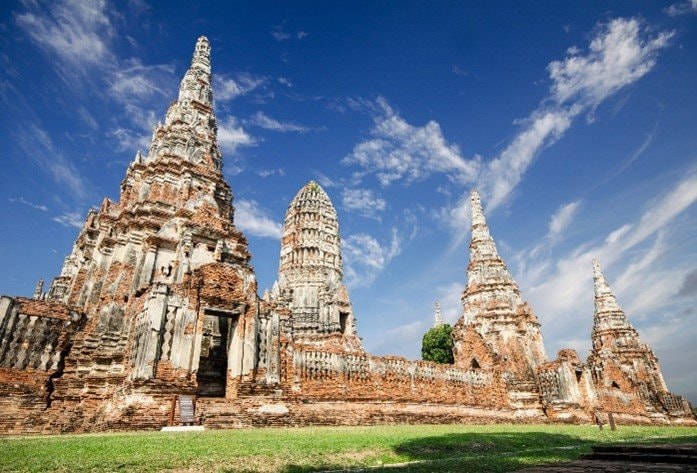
{"x":619,"y":362}
{"x":494,"y":310}
{"x":310,"y":274}
{"x":492,"y":304}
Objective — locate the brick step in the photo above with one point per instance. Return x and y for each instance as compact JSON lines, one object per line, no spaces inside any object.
{"x":677,"y":454}
{"x":681,"y":449}
{"x":641,"y":458}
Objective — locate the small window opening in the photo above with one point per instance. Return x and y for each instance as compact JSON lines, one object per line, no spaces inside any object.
{"x":343,"y":320}
{"x":475,"y":364}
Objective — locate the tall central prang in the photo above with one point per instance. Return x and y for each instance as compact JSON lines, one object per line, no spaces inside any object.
{"x":163,"y":275}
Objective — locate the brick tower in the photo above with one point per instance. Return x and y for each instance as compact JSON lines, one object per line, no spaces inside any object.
{"x":163,"y":275}
{"x":495,"y":313}
{"x":311,"y":270}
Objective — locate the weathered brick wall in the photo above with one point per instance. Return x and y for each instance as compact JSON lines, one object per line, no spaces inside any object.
{"x":316,"y":375}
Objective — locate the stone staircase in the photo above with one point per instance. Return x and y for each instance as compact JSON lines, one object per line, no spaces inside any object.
{"x":524,"y":396}
{"x":634,"y":458}
{"x":684,"y":454}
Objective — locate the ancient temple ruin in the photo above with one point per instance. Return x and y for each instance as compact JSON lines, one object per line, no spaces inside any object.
{"x":497,"y":329}
{"x":310,"y":273}
{"x":157,"y":299}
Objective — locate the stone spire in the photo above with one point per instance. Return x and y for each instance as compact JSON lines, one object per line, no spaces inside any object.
{"x":39,"y":289}
{"x":310,"y":270}
{"x":615,"y":339}
{"x":196,"y":84}
{"x":190,"y":130}
{"x":175,"y":207}
{"x":610,"y":323}
{"x":438,"y":318}
{"x":492,"y":303}
{"x":608,"y":313}
{"x":483,"y":252}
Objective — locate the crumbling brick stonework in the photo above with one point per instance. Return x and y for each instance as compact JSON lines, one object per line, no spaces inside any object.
{"x":157,"y":299}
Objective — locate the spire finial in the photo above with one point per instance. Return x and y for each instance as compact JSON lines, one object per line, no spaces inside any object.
{"x":482,"y":245}
{"x":605,"y":301}
{"x":437,"y":316}
{"x":476,"y":209}
{"x":597,"y":273}
{"x":39,"y":289}
{"x":202,"y":55}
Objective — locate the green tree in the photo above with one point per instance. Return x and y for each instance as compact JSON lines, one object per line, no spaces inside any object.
{"x":437,"y":345}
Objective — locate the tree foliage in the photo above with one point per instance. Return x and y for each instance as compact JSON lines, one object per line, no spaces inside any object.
{"x":437,"y":345}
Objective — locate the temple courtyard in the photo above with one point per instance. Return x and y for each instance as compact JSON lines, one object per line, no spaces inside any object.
{"x":486,"y":448}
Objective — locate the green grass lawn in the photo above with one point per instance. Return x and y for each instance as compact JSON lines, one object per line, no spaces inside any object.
{"x":423,"y":447}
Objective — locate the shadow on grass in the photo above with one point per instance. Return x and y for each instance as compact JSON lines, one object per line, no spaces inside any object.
{"x":462,"y":452}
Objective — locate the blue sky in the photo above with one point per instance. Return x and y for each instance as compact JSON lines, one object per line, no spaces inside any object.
{"x":576,"y":121}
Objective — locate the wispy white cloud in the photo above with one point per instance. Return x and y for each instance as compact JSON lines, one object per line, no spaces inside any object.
{"x":285,"y":81}
{"x":40,"y":150}
{"x":271,"y":172}
{"x":411,"y":331}
{"x":503,"y":174}
{"x":279,"y":33}
{"x":561,"y":219}
{"x":87,"y":118}
{"x":77,"y":34}
{"x":227,"y":88}
{"x":70,"y":219}
{"x":261,"y":120}
{"x":621,"y":52}
{"x":365,"y":257}
{"x":255,"y":221}
{"x":632,"y":157}
{"x":129,"y":139}
{"x":566,"y":286}
{"x":682,"y":8}
{"x":398,"y":150}
{"x":21,"y":200}
{"x":231,"y":135}
{"x":135,"y":82}
{"x":363,"y":202}
{"x":324,"y":180}
{"x":536,"y":261}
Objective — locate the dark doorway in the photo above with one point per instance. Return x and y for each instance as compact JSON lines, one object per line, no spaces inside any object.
{"x":218,"y":329}
{"x":474,"y":364}
{"x":343,"y":318}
